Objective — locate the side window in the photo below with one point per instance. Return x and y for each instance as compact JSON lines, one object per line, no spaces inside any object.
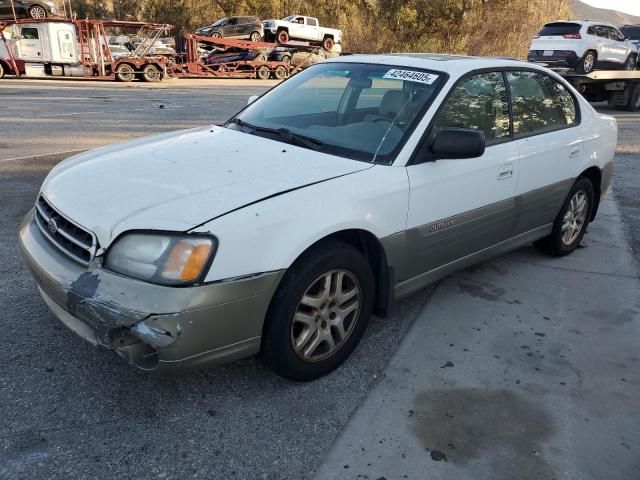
{"x":615,"y":34}
{"x":30,"y":33}
{"x":232,"y":21}
{"x":540,"y":103}
{"x":591,"y":30}
{"x":602,"y":31}
{"x":312,"y":21}
{"x":479,"y":102}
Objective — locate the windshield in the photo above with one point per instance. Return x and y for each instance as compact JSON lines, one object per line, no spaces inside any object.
{"x":360,"y":111}
{"x":219,"y":22}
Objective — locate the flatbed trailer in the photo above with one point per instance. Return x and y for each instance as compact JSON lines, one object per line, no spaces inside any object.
{"x":190,"y":64}
{"x":620,"y":88}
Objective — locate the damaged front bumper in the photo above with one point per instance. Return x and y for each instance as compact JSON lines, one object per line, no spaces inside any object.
{"x":152,"y":326}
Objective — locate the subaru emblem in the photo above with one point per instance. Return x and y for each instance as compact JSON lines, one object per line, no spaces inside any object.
{"x":53,"y":226}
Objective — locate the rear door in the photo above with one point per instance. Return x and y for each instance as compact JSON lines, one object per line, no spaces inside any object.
{"x":244,"y":27}
{"x":313,"y":30}
{"x":459,"y":207}
{"x":605,"y":50}
{"x":549,"y":141}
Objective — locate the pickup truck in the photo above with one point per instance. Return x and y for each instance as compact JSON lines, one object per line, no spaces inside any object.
{"x":298,"y":27}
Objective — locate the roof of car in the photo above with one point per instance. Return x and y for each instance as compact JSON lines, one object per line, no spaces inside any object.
{"x":452,"y":64}
{"x":581,"y":22}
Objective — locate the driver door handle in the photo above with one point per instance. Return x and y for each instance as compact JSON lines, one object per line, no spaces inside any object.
{"x":506,"y":171}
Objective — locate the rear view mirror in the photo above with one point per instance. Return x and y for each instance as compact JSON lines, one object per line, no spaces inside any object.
{"x":458,"y":143}
{"x":252,"y":99}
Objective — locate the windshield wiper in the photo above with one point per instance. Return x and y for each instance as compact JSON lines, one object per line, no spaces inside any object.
{"x":285,"y":134}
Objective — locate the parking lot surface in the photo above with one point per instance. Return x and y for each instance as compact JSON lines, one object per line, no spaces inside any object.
{"x":71,"y":411}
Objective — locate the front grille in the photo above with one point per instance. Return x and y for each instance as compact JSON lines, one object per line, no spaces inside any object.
{"x":70,"y":238}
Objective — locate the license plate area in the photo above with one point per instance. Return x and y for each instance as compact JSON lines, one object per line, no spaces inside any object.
{"x":547,"y":53}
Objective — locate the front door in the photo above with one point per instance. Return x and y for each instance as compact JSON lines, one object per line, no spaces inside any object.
{"x":30,"y":44}
{"x":618,"y":45}
{"x":459,"y":207}
{"x":549,"y":141}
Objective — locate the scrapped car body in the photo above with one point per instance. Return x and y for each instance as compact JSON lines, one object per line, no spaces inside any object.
{"x":352,"y":184}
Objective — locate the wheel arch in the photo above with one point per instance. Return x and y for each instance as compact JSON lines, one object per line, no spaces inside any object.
{"x":370,"y":246}
{"x":594,"y":174}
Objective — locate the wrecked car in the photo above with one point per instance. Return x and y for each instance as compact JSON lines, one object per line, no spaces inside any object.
{"x":354,"y":183}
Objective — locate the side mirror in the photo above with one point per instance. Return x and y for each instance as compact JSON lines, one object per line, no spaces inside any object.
{"x":458,"y":143}
{"x":252,"y":99}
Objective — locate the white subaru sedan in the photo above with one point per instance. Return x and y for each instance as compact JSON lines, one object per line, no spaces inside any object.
{"x":356,"y":182}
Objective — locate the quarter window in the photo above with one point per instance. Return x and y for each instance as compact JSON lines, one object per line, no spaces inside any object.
{"x":479,"y":102}
{"x":539,"y":103}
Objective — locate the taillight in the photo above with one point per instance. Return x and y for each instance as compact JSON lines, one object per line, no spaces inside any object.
{"x":572,"y":35}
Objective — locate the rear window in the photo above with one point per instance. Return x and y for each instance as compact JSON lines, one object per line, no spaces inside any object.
{"x":559,"y":28}
{"x":632,"y":32}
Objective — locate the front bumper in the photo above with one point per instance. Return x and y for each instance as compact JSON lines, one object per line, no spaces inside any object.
{"x":152,"y":326}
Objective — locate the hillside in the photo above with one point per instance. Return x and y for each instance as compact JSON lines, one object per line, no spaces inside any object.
{"x":583,"y":11}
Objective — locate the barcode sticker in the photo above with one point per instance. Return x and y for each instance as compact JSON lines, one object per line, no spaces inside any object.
{"x":411,"y":75}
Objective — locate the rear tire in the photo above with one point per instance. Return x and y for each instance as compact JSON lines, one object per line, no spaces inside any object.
{"x":1,"y":70}
{"x":319,"y":312}
{"x":151,"y":73}
{"x":327,"y":44}
{"x":571,"y":223}
{"x":255,"y":37}
{"x":280,"y":73}
{"x":630,"y":64}
{"x":263,"y":72}
{"x":588,"y":62}
{"x":125,"y":73}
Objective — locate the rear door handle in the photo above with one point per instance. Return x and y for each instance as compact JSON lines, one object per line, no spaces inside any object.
{"x":574,"y":152}
{"x":505,"y":172}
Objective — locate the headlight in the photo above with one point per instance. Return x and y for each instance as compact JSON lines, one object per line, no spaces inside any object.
{"x":162,"y":258}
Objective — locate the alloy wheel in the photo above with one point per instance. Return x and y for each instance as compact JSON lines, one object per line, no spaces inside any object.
{"x":588,"y":63}
{"x":37,"y":12}
{"x":574,"y":219}
{"x":326,"y":315}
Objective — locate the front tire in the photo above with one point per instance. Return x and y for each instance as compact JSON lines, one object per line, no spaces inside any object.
{"x":571,"y":223}
{"x":1,"y":70}
{"x":319,"y":312}
{"x":588,"y":62}
{"x":283,"y":37}
{"x":37,"y":12}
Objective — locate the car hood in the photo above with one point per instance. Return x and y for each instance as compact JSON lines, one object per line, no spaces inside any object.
{"x":179,"y":180}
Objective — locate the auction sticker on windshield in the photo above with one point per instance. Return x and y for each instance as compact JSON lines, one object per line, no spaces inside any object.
{"x":411,"y":75}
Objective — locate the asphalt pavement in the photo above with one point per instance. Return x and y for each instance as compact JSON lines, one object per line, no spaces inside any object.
{"x":71,"y":411}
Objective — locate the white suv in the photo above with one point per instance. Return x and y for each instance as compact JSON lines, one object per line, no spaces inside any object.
{"x":583,"y":46}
